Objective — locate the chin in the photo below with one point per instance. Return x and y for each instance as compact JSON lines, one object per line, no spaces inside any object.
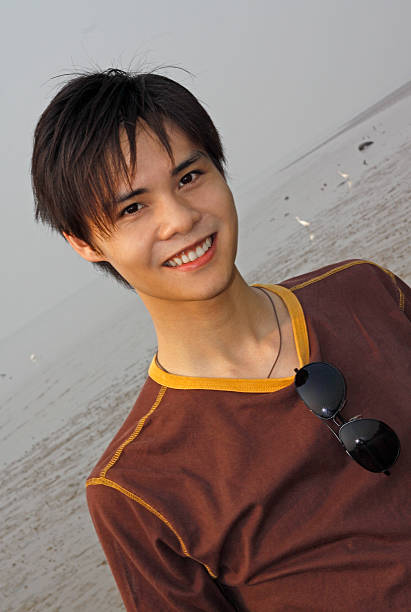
{"x":211,"y":288}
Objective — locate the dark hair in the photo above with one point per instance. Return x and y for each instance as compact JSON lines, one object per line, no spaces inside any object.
{"x":77,"y":156}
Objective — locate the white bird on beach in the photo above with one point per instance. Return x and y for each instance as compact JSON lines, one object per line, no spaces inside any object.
{"x":346,"y":178}
{"x":304,"y":223}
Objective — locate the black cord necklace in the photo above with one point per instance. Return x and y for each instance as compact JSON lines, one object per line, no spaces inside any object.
{"x":279,"y":329}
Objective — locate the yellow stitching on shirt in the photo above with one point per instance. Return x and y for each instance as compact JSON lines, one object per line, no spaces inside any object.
{"x":329,"y":273}
{"x":135,"y":433}
{"x":348,"y":265}
{"x":139,"y":500}
{"x":402,"y":296}
{"x":402,"y":300}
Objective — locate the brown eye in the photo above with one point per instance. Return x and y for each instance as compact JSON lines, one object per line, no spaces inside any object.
{"x":131,"y":209}
{"x":190,"y":177}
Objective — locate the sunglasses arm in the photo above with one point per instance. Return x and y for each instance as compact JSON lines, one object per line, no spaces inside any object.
{"x":333,"y":432}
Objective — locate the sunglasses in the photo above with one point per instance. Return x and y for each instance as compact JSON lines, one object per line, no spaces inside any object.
{"x":371,"y":443}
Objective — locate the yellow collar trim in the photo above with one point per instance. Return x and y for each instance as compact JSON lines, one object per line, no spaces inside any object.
{"x":246,"y":385}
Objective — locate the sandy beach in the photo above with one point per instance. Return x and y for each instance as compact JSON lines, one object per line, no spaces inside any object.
{"x":354,"y":204}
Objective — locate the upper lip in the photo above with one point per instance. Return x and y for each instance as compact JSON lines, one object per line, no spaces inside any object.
{"x":187,"y":248}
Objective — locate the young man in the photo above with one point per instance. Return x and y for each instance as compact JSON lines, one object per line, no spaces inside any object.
{"x":221,"y":491}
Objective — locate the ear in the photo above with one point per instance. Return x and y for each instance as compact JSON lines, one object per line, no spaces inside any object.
{"x":83,"y":248}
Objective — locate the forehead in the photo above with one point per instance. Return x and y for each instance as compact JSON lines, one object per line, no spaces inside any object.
{"x":153,"y":162}
{"x":151,"y":153}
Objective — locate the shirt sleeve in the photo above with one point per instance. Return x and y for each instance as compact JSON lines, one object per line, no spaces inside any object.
{"x":151,"y":570}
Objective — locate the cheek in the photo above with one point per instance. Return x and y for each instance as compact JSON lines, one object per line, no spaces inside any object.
{"x":230,"y":209}
{"x":222,"y":200}
{"x":129,"y":252}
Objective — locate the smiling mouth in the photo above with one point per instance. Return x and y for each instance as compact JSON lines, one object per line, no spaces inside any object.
{"x":191,"y":254}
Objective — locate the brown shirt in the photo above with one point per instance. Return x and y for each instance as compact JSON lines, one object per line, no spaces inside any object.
{"x":223,"y":494}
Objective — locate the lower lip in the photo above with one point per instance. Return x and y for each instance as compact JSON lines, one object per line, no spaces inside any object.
{"x":199,"y":262}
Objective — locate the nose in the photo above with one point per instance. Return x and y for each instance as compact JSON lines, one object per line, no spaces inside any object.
{"x":175,"y":216}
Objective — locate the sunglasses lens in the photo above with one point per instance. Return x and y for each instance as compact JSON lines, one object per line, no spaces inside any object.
{"x":371,"y":443}
{"x":321,"y":386}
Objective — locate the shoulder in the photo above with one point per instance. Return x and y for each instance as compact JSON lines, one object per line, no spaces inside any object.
{"x":130,"y":487}
{"x":357,"y":276}
{"x":347,"y":271}
{"x":148,"y":400}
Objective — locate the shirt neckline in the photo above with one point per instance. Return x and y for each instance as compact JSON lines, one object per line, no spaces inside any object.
{"x":246,"y":385}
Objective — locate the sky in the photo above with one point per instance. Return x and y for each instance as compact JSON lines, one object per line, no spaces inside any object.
{"x":276,"y":77}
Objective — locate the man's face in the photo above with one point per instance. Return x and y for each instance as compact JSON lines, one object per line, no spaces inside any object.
{"x":175,"y":211}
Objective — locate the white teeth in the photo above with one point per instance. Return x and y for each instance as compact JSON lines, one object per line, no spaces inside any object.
{"x":191,"y":255}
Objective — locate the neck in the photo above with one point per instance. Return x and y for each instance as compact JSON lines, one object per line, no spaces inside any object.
{"x":232,"y":334}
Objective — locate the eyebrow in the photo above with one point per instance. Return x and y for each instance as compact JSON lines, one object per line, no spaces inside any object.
{"x":176,"y":170}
